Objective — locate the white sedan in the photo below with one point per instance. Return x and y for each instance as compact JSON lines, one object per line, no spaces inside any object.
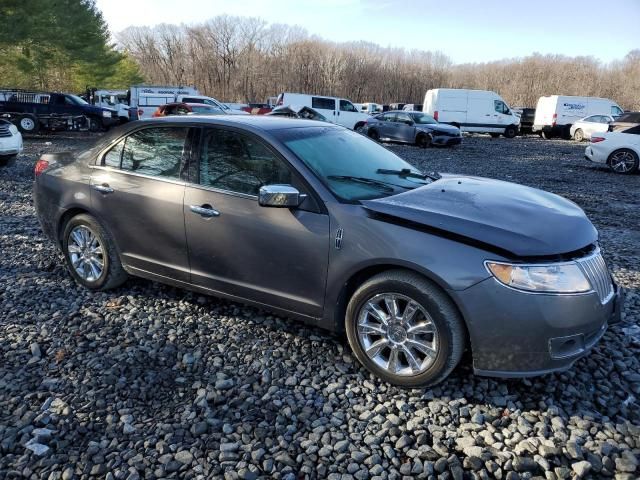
{"x":10,"y":141}
{"x":587,"y":126}
{"x":619,"y":150}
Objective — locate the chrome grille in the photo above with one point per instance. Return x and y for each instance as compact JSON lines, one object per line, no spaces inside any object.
{"x":4,"y":131}
{"x":598,"y":275}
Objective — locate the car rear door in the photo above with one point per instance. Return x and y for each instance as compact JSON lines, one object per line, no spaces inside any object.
{"x":137,"y":191}
{"x":274,"y":256}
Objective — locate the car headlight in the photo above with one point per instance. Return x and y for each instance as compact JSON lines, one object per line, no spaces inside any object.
{"x":552,"y":278}
{"x":13,"y":129}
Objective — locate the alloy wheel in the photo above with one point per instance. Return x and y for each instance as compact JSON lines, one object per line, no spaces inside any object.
{"x":622,"y":162}
{"x":397,"y":334}
{"x":86,"y":253}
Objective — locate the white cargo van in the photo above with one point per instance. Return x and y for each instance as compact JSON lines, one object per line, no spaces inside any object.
{"x":478,"y":111}
{"x":556,"y":113}
{"x":335,"y":110}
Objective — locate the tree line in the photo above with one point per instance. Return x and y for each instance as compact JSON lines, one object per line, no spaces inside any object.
{"x":244,"y":59}
{"x":60,"y":45}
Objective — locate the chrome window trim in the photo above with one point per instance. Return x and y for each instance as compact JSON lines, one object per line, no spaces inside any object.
{"x":177,"y":181}
{"x":220,"y":190}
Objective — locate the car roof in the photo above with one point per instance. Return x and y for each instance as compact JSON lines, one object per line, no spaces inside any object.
{"x":262,"y":122}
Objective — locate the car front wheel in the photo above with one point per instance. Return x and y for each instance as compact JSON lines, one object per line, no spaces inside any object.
{"x":404,"y":329}
{"x":578,"y":135}
{"x":90,"y":254}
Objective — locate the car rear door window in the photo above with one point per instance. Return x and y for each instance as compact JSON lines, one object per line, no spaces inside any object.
{"x":155,"y":151}
{"x":323,"y":103}
{"x":238,"y":163}
{"x":114,"y":156}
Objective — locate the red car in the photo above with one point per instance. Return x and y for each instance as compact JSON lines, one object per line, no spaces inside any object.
{"x":180,"y":108}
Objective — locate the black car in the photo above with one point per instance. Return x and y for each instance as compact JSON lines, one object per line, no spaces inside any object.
{"x":30,"y":110}
{"x":526,"y":118}
{"x":625,"y":121}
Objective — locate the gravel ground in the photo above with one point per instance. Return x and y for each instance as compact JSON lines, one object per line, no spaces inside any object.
{"x":149,"y":381}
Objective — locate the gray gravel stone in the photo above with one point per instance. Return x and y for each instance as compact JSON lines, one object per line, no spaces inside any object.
{"x":234,"y":392}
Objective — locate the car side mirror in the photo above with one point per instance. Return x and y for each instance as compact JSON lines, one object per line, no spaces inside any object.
{"x":279,"y":196}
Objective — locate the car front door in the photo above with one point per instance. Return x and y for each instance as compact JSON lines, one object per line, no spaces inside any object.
{"x":405,"y":130}
{"x":348,"y":114}
{"x":274,"y":256}
{"x":137,"y":190}
{"x":326,"y":106}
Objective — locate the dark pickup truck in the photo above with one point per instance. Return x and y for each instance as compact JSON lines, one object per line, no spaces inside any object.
{"x":30,"y":111}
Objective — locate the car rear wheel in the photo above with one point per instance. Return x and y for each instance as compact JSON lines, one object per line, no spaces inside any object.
{"x":623,"y":161}
{"x":373,"y":135}
{"x":546,"y":135}
{"x":28,"y":124}
{"x":90,"y":254}
{"x":404,"y":329}
{"x":578,"y":135}
{"x":423,"y":140}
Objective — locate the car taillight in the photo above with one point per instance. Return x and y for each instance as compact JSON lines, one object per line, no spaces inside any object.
{"x":435,"y":115}
{"x":140,"y":112}
{"x":554,"y":120}
{"x":41,"y":166}
{"x":597,"y":139}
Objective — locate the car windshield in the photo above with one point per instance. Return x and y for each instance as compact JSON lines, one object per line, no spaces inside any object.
{"x":350,"y":164}
{"x":423,"y":119}
{"x":77,"y":100}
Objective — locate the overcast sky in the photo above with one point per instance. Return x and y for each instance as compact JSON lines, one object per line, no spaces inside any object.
{"x":465,"y":30}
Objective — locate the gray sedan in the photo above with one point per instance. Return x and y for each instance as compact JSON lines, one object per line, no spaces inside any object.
{"x":411,"y":127}
{"x":320,"y":223}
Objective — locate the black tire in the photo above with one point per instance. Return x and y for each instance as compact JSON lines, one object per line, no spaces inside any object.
{"x":113,"y":275}
{"x":451,"y":331}
{"x":373,"y":135}
{"x":423,"y":140}
{"x":494,"y":135}
{"x":546,"y":135}
{"x":578,"y":135}
{"x":95,"y":124}
{"x":358,"y":126}
{"x":28,"y":123}
{"x":510,"y":132}
{"x":631,"y":165}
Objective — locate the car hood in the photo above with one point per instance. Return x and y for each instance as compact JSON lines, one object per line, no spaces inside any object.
{"x":522,"y":221}
{"x":441,"y":127}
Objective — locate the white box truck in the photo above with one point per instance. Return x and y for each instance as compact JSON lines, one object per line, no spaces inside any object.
{"x":336,"y":110}
{"x":479,"y":111}
{"x":147,"y":98}
{"x":556,"y":113}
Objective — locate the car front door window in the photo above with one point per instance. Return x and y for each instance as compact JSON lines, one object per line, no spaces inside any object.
{"x":237,"y":163}
{"x":346,"y":106}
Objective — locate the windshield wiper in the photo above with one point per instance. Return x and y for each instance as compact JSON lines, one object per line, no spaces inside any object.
{"x":369,"y":181}
{"x":406,"y":173}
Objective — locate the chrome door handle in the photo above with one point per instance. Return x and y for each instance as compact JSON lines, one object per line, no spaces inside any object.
{"x":103,"y":188}
{"x":204,"y":211}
